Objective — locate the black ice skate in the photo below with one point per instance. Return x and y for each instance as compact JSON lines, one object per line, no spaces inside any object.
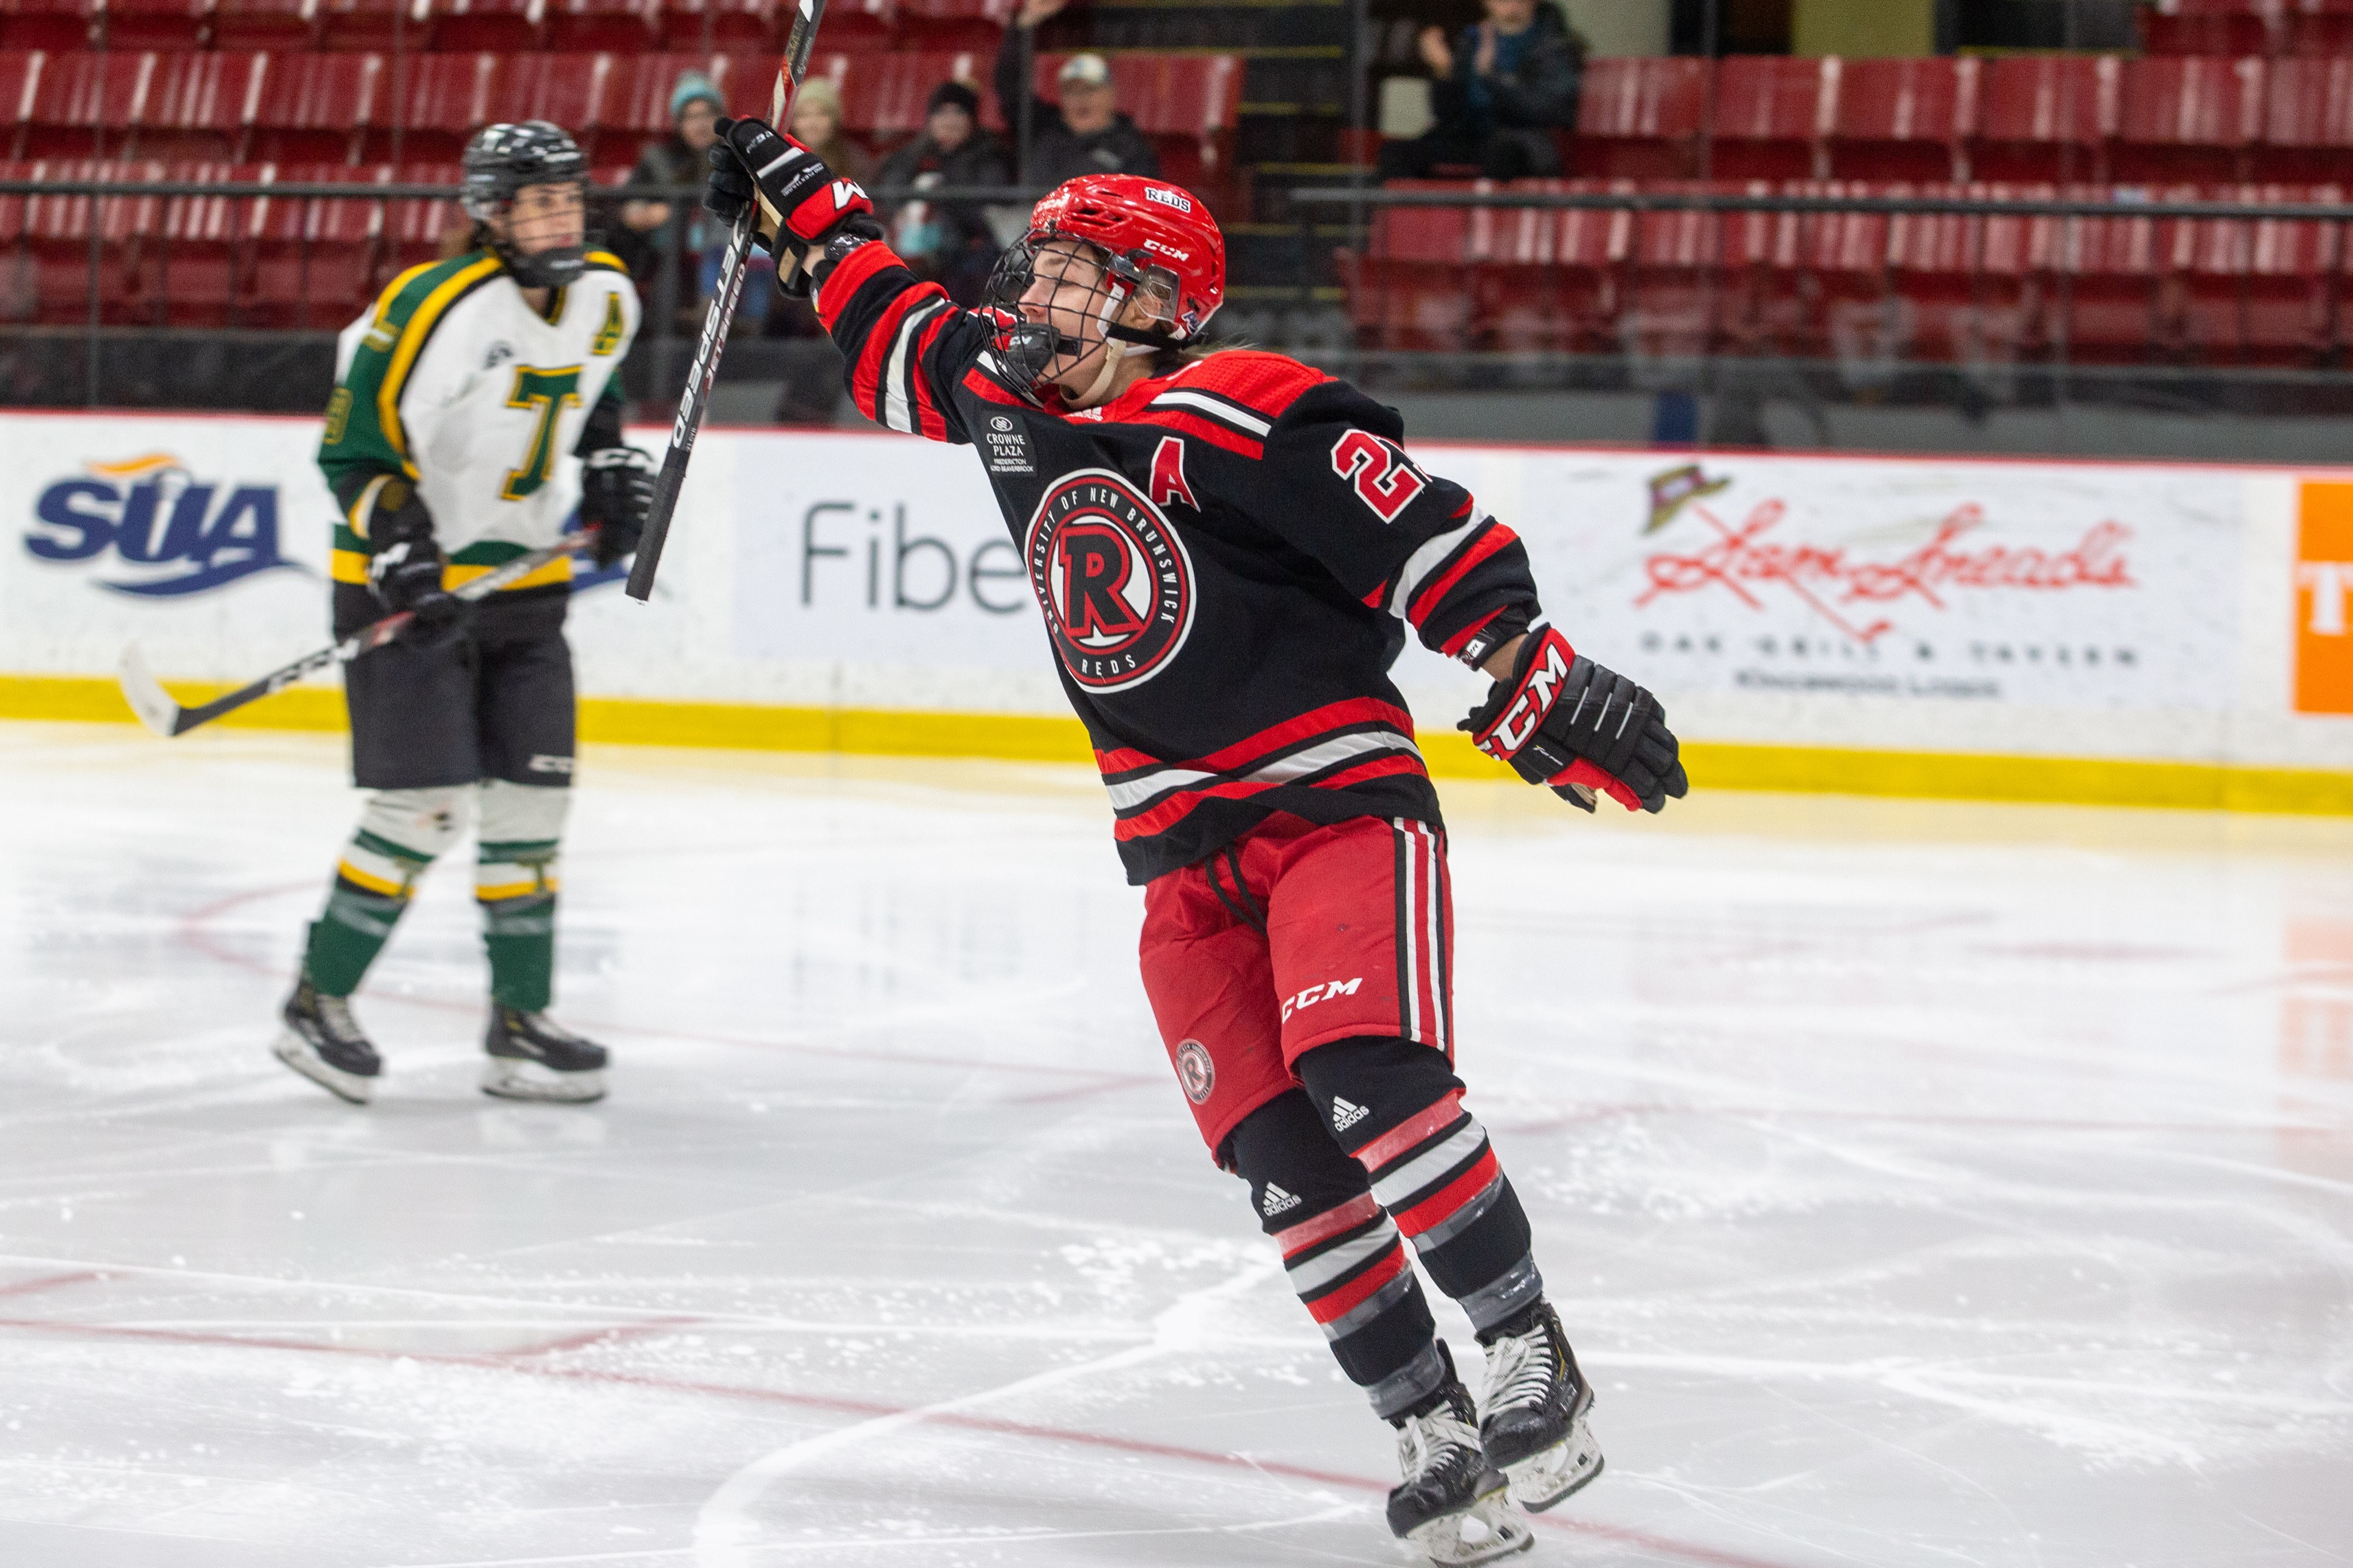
{"x":1533,"y":1429}
{"x":324,"y":1044}
{"x":1452,"y":1505}
{"x":534,"y":1058}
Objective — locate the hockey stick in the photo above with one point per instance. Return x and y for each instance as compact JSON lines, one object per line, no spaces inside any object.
{"x":159,"y":714}
{"x":695,"y":401}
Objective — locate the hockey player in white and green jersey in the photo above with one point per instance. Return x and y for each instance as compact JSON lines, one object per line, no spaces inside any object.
{"x":457,"y":398}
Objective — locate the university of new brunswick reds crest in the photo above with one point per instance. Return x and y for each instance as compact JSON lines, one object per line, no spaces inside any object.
{"x":1113,"y":578}
{"x":1195,"y":1073}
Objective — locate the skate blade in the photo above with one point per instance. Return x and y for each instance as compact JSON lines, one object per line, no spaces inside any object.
{"x":1568,"y":1467}
{"x":1480,"y":1533}
{"x":295,"y":1052}
{"x":515,"y":1078}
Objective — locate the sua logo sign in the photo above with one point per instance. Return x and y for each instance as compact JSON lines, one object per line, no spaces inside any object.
{"x":166,"y":531}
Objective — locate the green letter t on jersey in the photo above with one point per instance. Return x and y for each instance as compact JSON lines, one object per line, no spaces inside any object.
{"x":550,"y":392}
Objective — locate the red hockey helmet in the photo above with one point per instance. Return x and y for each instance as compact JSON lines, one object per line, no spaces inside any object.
{"x":1147,"y":234}
{"x":1149,"y":225}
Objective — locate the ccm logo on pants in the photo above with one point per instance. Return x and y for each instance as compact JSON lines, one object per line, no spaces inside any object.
{"x":1314,"y":994}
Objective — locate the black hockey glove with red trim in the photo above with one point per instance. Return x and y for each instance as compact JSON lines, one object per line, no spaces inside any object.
{"x":405,"y":565}
{"x":616,"y":490}
{"x":1564,"y":720}
{"x":753,"y":157}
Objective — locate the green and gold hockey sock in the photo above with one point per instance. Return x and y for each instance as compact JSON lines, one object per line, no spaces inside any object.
{"x":515,"y":883}
{"x":372,"y":886}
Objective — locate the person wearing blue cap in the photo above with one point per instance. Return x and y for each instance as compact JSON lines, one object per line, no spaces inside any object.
{"x":695,"y":106}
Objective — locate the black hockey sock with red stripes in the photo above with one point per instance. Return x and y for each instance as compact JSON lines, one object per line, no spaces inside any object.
{"x":1396,"y":1108}
{"x":1341,"y":1252}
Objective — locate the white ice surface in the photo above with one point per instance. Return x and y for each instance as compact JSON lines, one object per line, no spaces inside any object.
{"x":1924,"y":1185}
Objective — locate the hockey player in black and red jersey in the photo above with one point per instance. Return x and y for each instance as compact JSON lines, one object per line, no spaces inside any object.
{"x":1229,"y":548}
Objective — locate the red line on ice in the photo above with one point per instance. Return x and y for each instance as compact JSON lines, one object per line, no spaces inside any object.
{"x":834,"y":1405}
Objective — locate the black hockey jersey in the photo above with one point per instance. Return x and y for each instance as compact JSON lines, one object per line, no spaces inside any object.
{"x":1226,"y":556}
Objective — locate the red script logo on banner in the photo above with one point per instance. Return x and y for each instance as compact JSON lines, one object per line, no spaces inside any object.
{"x":1826,"y":577}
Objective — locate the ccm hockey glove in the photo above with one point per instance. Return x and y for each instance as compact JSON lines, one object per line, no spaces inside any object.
{"x":1564,"y":720}
{"x":616,"y":490}
{"x":752,"y":158}
{"x":405,"y":565}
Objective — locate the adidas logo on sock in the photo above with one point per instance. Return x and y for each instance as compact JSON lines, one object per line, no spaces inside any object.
{"x":1347,"y":1114}
{"x":1277,"y":1200}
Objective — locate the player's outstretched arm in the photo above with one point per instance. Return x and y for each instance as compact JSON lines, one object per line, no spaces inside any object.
{"x":1561,"y":720}
{"x":1420,"y":547}
{"x":903,"y":342}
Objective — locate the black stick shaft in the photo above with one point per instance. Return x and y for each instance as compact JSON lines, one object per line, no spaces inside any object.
{"x":694,"y":402}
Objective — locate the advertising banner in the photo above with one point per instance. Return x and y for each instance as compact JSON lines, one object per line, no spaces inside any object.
{"x":2105,"y":611}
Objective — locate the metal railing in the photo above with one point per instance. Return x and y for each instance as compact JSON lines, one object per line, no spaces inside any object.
{"x":664,"y":339}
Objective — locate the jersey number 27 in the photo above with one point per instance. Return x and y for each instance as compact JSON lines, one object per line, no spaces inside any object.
{"x":1386,"y":479}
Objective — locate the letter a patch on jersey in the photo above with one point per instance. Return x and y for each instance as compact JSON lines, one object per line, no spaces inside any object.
{"x":1168,"y":486}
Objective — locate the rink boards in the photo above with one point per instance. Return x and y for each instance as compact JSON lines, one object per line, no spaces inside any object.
{"x":2134,"y":633}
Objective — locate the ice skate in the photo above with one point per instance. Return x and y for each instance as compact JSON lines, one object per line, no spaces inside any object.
{"x":1451,"y":1504}
{"x":1534,"y":1426}
{"x":324,"y":1043}
{"x":534,"y":1058}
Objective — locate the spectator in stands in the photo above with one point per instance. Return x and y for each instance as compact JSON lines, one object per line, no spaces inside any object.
{"x":812,"y":365}
{"x":817,"y":125}
{"x":951,"y":243}
{"x":1502,"y":88}
{"x":645,"y":237}
{"x":1085,"y":133}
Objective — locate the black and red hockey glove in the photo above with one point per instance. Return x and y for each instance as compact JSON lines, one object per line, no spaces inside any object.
{"x":753,"y":156}
{"x":1564,"y":720}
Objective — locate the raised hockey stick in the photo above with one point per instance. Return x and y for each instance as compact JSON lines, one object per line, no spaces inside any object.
{"x":156,"y":709}
{"x":696,"y":399}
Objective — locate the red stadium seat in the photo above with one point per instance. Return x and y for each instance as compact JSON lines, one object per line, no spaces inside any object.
{"x":2187,"y":118}
{"x":955,"y":23}
{"x":1672,"y":302}
{"x":1410,"y":292}
{"x":51,"y":24}
{"x":715,"y":27}
{"x":320,"y":106}
{"x":2110,"y":266}
{"x":2207,"y":28}
{"x":405,"y":25}
{"x":1773,"y":117}
{"x":449,"y":97}
{"x":2321,"y":35}
{"x":17,"y":68}
{"x":1904,"y":119}
{"x":204,"y":105}
{"x":157,"y":24}
{"x":58,"y":228}
{"x":2240,"y":289}
{"x":509,"y":25}
{"x":585,"y":94}
{"x":1549,"y":280}
{"x":630,"y":25}
{"x":1641,"y":117}
{"x":416,"y":232}
{"x":2046,"y":118}
{"x":1938,"y":266}
{"x":286,"y":24}
{"x":1857,"y":315}
{"x":2308,"y":123}
{"x":284,"y":259}
{"x":883,"y":95}
{"x":184,"y":268}
{"x":82,"y":103}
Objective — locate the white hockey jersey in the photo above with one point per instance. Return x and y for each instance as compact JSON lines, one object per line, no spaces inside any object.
{"x":454,"y":381}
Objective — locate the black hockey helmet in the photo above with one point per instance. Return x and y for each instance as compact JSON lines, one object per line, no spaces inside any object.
{"x":501,"y":160}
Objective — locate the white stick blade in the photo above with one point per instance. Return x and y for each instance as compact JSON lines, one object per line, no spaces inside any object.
{"x":146,"y":694}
